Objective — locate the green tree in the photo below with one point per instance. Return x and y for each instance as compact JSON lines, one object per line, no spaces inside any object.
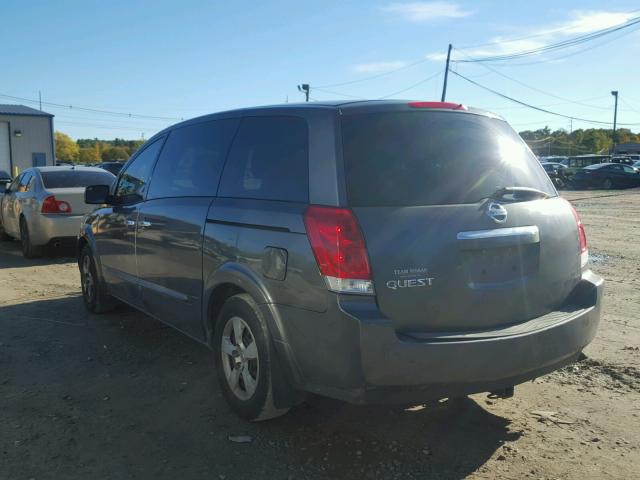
{"x":88,"y":155}
{"x":66,"y":149}
{"x":110,"y":153}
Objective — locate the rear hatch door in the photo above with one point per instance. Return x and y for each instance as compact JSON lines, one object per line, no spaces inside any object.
{"x":445,"y":255}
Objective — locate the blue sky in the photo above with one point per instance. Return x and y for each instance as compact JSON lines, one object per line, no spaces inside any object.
{"x":182,"y":59}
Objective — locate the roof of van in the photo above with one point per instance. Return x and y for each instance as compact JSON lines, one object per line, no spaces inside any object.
{"x":342,"y":105}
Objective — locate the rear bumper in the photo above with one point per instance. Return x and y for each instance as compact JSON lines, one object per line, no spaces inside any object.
{"x":354,"y":354}
{"x":45,"y":227}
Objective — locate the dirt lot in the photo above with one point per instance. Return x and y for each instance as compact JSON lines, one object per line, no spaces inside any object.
{"x":122,"y":396}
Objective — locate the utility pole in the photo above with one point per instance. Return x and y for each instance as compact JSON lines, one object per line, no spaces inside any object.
{"x":446,"y":75}
{"x":570,"y":135}
{"x":615,"y":118}
{"x":305,"y":88}
{"x":40,"y":99}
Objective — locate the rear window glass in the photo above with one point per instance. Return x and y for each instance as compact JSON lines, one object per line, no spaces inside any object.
{"x":268,"y":160}
{"x":75,"y":178}
{"x":433,"y":158}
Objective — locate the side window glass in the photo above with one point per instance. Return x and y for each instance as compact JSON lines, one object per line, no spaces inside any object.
{"x":29,"y":186}
{"x":268,"y":160}
{"x":191,"y":160}
{"x":16,"y":181}
{"x":24,"y":182}
{"x":132,"y":183}
{"x":628,"y":169}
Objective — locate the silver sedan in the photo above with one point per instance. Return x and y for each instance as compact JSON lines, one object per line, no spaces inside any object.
{"x":45,"y":205}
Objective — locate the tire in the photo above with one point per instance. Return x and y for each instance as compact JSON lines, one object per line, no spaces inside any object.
{"x":28,"y":249}
{"x":243,"y":355}
{"x":94,"y":293}
{"x":3,"y":235}
{"x":607,"y":184}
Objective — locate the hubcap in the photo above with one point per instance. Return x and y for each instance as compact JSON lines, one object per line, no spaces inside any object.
{"x":240,"y":358}
{"x":87,"y":278}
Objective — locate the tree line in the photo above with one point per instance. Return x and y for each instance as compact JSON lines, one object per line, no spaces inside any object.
{"x":93,"y":150}
{"x":544,"y":141}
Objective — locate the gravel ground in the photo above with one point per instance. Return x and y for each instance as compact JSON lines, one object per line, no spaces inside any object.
{"x":122,"y":396}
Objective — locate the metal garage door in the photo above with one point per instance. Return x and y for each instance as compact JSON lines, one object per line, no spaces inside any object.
{"x":5,"y":160}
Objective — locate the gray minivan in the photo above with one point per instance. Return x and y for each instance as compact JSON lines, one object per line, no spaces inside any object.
{"x":372,"y":251}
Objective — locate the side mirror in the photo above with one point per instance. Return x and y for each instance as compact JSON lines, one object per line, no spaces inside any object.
{"x":96,"y":194}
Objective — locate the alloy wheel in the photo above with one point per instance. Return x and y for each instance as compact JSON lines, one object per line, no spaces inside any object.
{"x":88,"y":283}
{"x":240,"y":358}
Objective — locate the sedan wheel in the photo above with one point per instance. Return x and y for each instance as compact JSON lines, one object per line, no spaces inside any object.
{"x":607,"y":184}
{"x":240,"y":359}
{"x":86,"y":279}
{"x":28,"y":250}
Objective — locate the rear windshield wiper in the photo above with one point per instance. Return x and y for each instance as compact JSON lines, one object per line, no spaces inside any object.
{"x":519,"y":193}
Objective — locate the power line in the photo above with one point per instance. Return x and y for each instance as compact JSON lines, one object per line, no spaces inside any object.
{"x":562,"y":57}
{"x":518,"y":39}
{"x":424,"y":80}
{"x":330,"y":92}
{"x":107,"y":127}
{"x":92,"y":110}
{"x":412,"y":86}
{"x":537,"y":89}
{"x":520,"y":102}
{"x":556,"y":46}
{"x":373,"y":77}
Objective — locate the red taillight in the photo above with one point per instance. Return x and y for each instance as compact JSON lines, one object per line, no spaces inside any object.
{"x":51,"y":205}
{"x":444,"y":105}
{"x":582,"y":237}
{"x":338,"y":245}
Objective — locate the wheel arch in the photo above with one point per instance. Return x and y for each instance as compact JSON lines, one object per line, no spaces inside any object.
{"x":86,"y":238}
{"x":232,"y":279}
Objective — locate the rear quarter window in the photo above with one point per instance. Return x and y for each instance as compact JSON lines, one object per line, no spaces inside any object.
{"x":268,"y":160}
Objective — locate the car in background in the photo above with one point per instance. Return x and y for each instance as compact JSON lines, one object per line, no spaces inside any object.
{"x":636,"y":165}
{"x":113,"y":167}
{"x":556,"y":173}
{"x":45,"y":205}
{"x":553,"y":159}
{"x":581,"y":161}
{"x":625,"y":159}
{"x":5,"y":180}
{"x":607,"y":176}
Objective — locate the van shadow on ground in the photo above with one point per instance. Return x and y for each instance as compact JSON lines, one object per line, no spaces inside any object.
{"x":121,"y":395}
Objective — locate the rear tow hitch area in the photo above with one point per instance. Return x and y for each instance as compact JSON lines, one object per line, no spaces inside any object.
{"x":503,"y":393}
